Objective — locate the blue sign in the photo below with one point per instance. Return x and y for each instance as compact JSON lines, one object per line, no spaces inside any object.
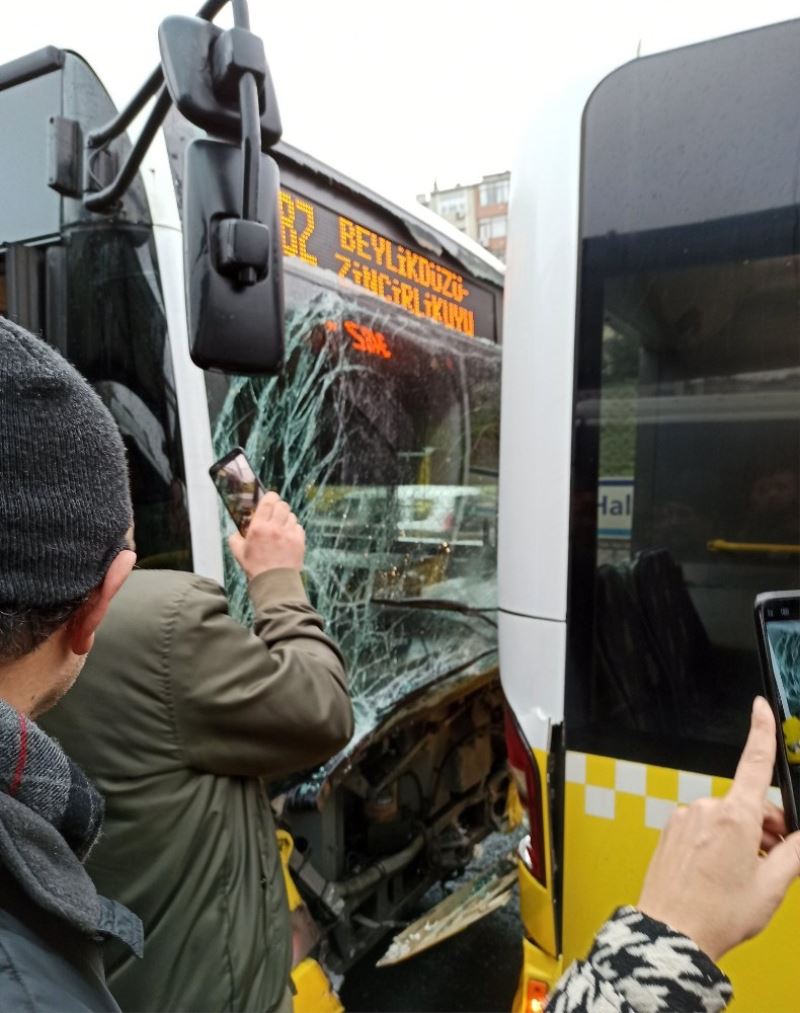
{"x":615,"y":507}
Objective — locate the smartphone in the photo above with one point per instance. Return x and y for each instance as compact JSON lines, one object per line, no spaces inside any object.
{"x":777,"y":615}
{"x":238,"y":486}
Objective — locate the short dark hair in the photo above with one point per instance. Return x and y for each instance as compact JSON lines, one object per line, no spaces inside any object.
{"x":23,"y":628}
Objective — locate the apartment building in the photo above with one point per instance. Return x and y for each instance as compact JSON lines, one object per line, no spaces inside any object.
{"x":478,"y":209}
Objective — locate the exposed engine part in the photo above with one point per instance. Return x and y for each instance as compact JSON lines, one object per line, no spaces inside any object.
{"x":471,"y":763}
{"x":380,"y":870}
{"x":357,"y":784}
{"x":497,"y":790}
{"x":386,"y":831}
{"x":384,"y":806}
{"x":383,"y":839}
{"x":403,"y":811}
{"x":452,"y":849}
{"x":370,"y":923}
{"x":405,"y":763}
{"x":312,"y":883}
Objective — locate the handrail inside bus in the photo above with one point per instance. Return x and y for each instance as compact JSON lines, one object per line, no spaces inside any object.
{"x":721,"y":545}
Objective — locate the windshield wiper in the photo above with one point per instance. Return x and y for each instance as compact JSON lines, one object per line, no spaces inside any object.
{"x":445,"y":604}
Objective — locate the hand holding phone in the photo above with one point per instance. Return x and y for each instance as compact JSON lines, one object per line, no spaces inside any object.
{"x":238,"y":486}
{"x":275,"y":539}
{"x":269,"y":535}
{"x":777,"y":616}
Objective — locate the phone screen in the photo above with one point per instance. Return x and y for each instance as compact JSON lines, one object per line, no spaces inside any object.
{"x":238,"y":486}
{"x":781,"y":654}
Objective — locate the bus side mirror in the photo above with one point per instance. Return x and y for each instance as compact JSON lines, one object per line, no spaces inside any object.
{"x":231,"y":231}
{"x":233,"y":327}
{"x":199,"y":61}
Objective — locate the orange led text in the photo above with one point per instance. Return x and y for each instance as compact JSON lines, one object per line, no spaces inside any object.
{"x":366,"y":340}
{"x":297,"y":225}
{"x":403,"y":277}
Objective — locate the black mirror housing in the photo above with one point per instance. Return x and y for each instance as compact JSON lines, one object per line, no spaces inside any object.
{"x":202,"y":64}
{"x":239,"y":244}
{"x":233,"y":267}
{"x":234,"y":53}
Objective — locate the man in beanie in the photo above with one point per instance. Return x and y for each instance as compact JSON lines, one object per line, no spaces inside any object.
{"x":65,"y":516}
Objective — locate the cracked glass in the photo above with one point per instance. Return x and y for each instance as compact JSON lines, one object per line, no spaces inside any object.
{"x":382,"y":433}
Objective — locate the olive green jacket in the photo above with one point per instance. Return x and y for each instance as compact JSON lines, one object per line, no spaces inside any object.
{"x":178,"y":714}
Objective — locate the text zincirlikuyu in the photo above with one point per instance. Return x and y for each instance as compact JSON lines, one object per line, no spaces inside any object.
{"x":390,"y":270}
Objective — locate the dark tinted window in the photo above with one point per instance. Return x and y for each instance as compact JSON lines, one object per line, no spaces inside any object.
{"x":117,"y":336}
{"x":686,"y":500}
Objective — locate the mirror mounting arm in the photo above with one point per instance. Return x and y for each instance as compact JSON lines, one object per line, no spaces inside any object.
{"x":251,"y":147}
{"x":107,"y":198}
{"x":251,"y":160}
{"x":102,"y":135}
{"x":239,"y":70}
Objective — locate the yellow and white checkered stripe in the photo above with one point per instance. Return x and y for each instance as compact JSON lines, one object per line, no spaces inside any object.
{"x":604,"y":779}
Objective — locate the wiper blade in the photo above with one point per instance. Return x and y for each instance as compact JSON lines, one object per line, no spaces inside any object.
{"x":444,"y":604}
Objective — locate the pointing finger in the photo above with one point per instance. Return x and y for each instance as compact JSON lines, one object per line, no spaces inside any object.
{"x":754,"y":772}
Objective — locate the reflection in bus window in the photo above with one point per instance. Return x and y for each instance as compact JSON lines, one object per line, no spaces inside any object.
{"x":698,"y":448}
{"x":390,"y":462}
{"x":116,"y":335}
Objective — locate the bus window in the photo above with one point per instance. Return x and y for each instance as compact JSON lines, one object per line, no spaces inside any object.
{"x":686,"y":498}
{"x":91,"y":288}
{"x":388,"y":456}
{"x":24,"y":113}
{"x":117,"y":336}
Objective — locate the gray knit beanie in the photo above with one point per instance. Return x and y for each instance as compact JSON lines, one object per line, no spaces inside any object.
{"x":64,"y":499}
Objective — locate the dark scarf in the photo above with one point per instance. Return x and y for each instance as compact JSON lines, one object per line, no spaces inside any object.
{"x":37,"y":772}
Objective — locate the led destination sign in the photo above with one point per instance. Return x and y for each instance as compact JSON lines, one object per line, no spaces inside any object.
{"x":395,"y":272}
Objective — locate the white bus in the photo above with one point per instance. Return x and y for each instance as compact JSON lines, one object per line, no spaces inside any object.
{"x":650,"y":459}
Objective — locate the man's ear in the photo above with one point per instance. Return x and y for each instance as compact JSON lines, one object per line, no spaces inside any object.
{"x":82,"y":626}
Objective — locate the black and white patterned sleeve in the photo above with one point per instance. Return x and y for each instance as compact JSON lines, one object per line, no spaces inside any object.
{"x":639,"y":965}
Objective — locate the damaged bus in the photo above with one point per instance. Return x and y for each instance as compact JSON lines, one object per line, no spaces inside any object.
{"x":381,"y":429}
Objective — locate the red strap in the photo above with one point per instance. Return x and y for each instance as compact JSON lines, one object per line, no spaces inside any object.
{"x":16,"y":780}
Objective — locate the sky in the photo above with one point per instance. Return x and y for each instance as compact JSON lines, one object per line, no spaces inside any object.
{"x":399,"y":95}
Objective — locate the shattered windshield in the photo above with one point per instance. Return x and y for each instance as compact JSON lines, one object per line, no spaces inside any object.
{"x":382,"y":432}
